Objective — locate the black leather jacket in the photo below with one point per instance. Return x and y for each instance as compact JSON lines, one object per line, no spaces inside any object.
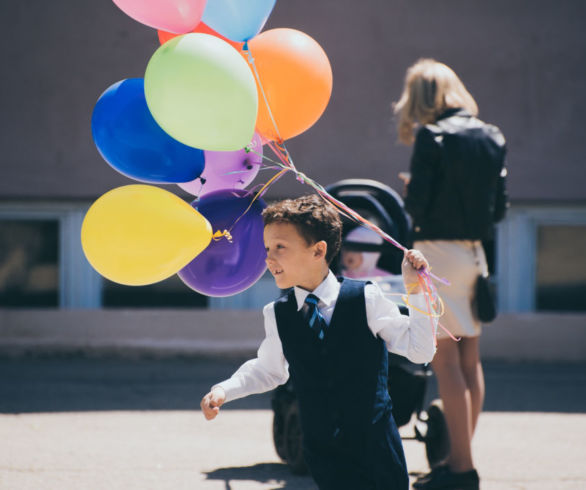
{"x":457,"y":188}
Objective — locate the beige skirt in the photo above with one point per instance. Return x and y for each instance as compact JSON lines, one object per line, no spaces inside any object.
{"x":456,"y":261}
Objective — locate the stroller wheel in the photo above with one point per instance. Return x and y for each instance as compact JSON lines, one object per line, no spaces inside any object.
{"x":294,"y":442}
{"x":437,"y":439}
{"x":279,"y":435}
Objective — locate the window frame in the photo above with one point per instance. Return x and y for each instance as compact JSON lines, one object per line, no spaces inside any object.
{"x":79,"y":285}
{"x":517,"y":251}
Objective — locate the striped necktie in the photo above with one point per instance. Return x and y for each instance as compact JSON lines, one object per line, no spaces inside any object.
{"x":312,"y":315}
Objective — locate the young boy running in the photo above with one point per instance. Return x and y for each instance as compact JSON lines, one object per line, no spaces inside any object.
{"x":331,"y":336}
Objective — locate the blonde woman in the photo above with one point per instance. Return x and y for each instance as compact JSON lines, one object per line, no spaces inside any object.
{"x":455,"y":192}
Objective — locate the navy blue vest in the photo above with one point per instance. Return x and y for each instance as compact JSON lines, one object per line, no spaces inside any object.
{"x":340,"y":381}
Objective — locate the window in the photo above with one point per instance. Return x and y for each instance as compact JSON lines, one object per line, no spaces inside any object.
{"x":561,"y":268}
{"x":540,"y":259}
{"x":170,"y":293}
{"x":29,"y":265}
{"x":42,"y":264}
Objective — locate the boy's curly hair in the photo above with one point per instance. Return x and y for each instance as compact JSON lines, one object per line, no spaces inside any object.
{"x":313,"y":217}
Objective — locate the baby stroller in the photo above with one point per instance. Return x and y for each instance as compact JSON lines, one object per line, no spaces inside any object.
{"x":408,"y":382}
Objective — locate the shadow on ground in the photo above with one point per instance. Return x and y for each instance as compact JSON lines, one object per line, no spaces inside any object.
{"x":76,"y":383}
{"x":268,"y":473}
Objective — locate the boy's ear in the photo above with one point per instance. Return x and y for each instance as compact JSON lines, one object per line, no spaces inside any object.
{"x":320,"y":249}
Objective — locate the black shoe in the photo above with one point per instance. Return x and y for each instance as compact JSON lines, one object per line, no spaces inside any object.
{"x":424,"y":478}
{"x":442,"y":478}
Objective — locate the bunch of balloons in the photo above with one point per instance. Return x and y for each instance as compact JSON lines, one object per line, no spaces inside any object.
{"x":213,"y":94}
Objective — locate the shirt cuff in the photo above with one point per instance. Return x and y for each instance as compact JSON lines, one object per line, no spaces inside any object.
{"x":231,"y":389}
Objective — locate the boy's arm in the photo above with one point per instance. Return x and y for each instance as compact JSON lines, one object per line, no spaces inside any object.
{"x":410,"y":336}
{"x":259,"y":375}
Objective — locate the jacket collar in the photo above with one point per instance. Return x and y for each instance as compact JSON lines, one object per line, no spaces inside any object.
{"x":454,"y":112}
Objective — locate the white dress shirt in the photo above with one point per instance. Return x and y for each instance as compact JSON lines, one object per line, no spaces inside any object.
{"x":410,"y":336}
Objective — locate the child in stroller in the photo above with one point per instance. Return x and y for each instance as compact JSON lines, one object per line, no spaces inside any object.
{"x":366,"y":255}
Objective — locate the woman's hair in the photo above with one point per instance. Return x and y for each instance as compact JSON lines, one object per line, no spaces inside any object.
{"x":314,"y":218}
{"x":430,"y":88}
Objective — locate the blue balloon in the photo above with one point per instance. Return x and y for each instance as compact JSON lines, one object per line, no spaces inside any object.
{"x":238,"y":20}
{"x":130,"y":140}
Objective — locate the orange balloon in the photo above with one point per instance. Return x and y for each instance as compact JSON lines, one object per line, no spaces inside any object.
{"x":296,"y":76}
{"x":165,"y":36}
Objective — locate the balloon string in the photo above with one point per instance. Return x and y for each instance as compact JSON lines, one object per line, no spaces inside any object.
{"x":254,"y":190}
{"x":342,"y":208}
{"x":434,"y":304}
{"x":246,"y":49}
{"x":286,"y":162}
{"x":405,"y":301}
{"x":431,"y":307}
{"x":218,"y":235}
{"x":283,"y":154}
{"x":234,"y":172}
{"x":410,"y":288}
{"x":273,"y":179}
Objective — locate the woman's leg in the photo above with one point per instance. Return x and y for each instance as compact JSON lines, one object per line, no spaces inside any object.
{"x":474,"y":376}
{"x":457,"y":403}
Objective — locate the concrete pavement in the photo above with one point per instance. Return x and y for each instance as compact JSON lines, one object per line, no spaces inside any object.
{"x":111,"y":423}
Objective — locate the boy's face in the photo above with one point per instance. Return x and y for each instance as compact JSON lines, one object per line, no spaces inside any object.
{"x":291,"y":260}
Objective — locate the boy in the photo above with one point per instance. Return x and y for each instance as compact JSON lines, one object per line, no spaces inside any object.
{"x":336,"y":353}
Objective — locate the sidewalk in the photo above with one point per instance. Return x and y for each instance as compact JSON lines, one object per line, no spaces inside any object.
{"x":108,"y":423}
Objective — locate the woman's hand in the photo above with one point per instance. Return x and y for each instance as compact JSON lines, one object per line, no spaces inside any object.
{"x":406,"y":178}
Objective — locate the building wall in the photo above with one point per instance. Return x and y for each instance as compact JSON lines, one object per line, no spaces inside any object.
{"x":522,"y":60}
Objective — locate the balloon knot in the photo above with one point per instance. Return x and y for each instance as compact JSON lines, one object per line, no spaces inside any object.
{"x":248,"y":53}
{"x":218,"y":235}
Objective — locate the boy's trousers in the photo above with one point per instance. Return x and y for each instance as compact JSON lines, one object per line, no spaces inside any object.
{"x":347,"y":466}
{"x":349,"y":435}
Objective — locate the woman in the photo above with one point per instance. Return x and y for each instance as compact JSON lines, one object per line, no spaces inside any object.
{"x":455,"y":193}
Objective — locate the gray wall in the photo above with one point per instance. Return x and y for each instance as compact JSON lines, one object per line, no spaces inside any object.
{"x":523,"y":60}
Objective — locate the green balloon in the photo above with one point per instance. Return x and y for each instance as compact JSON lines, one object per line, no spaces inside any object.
{"x":201,"y":91}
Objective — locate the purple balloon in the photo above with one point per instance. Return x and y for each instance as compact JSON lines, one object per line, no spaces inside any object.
{"x":227,"y":169}
{"x":225,"y":268}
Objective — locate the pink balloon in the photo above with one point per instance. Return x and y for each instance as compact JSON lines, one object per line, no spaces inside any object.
{"x":177,"y":16}
{"x":227,"y":169}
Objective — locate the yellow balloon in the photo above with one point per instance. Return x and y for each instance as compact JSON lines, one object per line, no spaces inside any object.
{"x":141,"y":234}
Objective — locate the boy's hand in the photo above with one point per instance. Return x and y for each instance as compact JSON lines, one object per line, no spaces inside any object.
{"x":413,"y":261}
{"x":211,"y":403}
